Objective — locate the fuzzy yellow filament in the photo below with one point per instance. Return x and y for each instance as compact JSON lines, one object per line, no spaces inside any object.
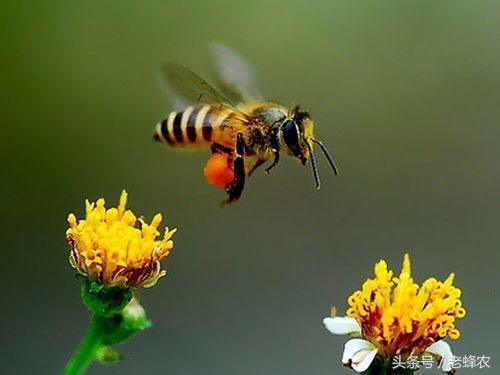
{"x":400,"y":317}
{"x":107,"y":247}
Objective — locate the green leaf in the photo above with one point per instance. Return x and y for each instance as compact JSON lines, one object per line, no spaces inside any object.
{"x":104,"y":300}
{"x":106,"y":355}
{"x":95,"y":287}
{"x":381,"y":366}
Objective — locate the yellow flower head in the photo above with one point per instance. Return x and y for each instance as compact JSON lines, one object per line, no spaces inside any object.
{"x":107,"y":247}
{"x":400,"y":317}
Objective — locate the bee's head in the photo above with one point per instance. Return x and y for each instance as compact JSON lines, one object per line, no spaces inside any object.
{"x":294,"y":133}
{"x":296,"y":137}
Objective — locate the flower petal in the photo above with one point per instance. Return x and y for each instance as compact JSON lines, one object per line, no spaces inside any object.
{"x":358,"y":354}
{"x":342,"y":325}
{"x":363,"y":359}
{"x":443,"y":350}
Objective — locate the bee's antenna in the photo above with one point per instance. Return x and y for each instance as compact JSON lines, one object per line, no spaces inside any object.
{"x":327,"y":155}
{"x":314,"y":166}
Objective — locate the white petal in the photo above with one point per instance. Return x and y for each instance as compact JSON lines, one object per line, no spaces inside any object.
{"x":442,"y":349}
{"x":359,"y":354}
{"x":342,"y":325}
{"x":363,"y":359}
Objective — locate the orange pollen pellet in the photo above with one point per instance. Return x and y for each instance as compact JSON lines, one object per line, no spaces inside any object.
{"x":219,"y":170}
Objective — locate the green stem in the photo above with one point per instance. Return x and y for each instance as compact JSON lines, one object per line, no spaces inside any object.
{"x":116,"y":319}
{"x":385,"y":367}
{"x":86,"y":351}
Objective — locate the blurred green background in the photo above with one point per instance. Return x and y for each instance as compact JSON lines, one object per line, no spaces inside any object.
{"x":405,"y":94}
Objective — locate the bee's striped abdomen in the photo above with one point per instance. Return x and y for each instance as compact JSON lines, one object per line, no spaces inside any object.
{"x":193,"y":127}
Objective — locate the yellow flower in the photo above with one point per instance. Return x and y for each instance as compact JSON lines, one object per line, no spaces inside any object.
{"x":397,"y":317}
{"x":107,"y":247}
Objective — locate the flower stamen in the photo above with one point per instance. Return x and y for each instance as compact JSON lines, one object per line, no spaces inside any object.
{"x":107,"y":247}
{"x":400,"y":317}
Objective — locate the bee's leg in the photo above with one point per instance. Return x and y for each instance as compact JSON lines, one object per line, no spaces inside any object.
{"x":257,"y":164}
{"x":275,"y":161}
{"x":218,"y":148}
{"x":236,"y":187}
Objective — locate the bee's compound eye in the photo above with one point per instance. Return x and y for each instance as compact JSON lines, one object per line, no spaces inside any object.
{"x":291,"y":136}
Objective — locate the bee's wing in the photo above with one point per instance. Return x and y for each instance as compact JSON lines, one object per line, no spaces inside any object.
{"x":190,"y":88}
{"x":236,"y":75}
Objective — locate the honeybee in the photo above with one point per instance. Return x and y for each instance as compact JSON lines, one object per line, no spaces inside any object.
{"x":248,"y":129}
